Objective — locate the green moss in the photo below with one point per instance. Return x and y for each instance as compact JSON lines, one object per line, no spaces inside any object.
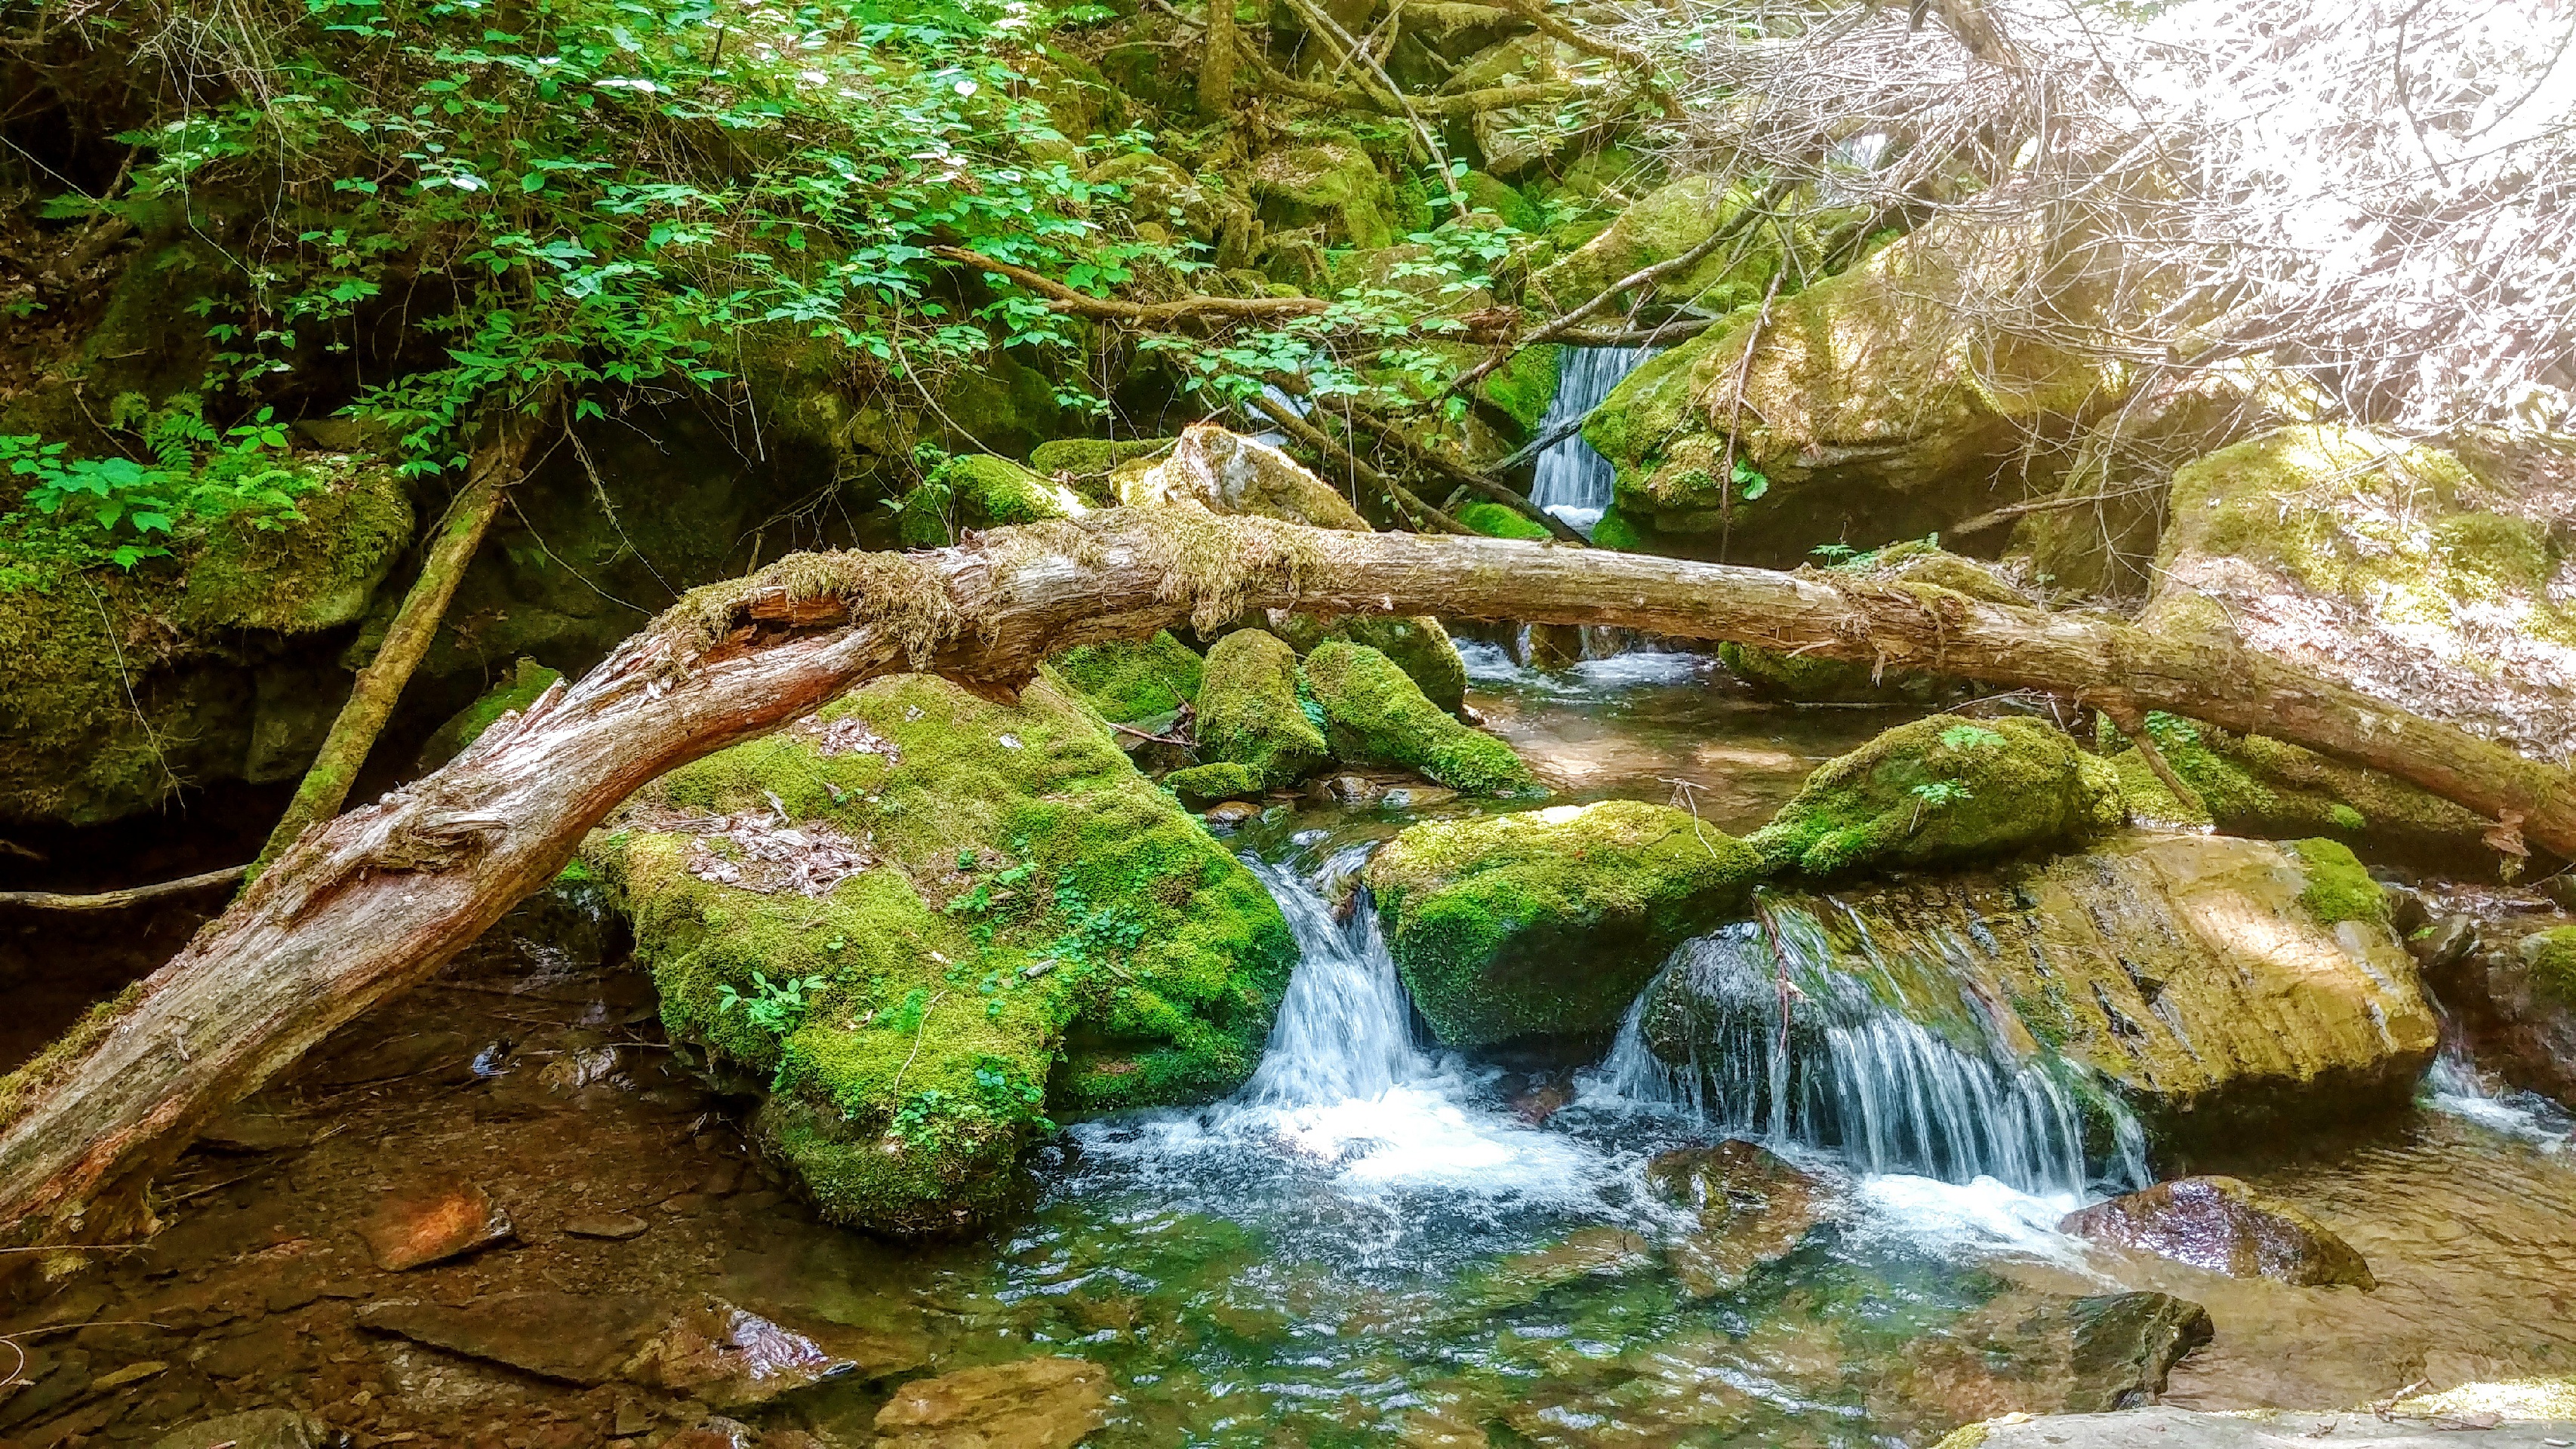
{"x":1523,"y":387}
{"x":2251,"y":785}
{"x":2338,"y":889}
{"x":1249,"y":712}
{"x":1084,"y":464}
{"x":1200,"y":786}
{"x":1498,"y":520}
{"x":527,"y":680}
{"x":1493,"y":194}
{"x":1377,"y":716}
{"x":2551,"y":954}
{"x":1940,"y":791}
{"x":1617,"y":532}
{"x":1029,"y":927}
{"x":1417,"y":643}
{"x":1335,"y":184}
{"x":1663,"y":225}
{"x":1549,"y":922}
{"x":976,"y":491}
{"x":106,"y":713}
{"x":1129,"y":681}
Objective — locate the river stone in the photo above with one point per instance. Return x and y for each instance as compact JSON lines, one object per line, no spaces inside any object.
{"x":2165,"y":1428}
{"x":731,"y":1358}
{"x":2512,"y":990}
{"x":1031,"y":1403}
{"x":578,"y":1338}
{"x":615,"y":1227}
{"x":1754,"y":1209}
{"x":256,"y":1429}
{"x":2221,"y":1224}
{"x":444,"y":1222}
{"x":2045,"y":1353}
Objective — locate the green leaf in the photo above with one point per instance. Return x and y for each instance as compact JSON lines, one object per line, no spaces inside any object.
{"x":532,"y":181}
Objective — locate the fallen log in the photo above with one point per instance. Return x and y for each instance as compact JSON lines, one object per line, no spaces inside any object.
{"x":372,"y":902}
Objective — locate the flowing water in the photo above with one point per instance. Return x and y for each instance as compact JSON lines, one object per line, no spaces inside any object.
{"x":1372,"y":1243}
{"x":1574,"y":480}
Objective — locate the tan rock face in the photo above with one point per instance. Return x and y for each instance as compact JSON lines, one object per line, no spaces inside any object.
{"x":1034,"y":1403}
{"x":1754,"y":1209}
{"x":408,"y":1232}
{"x":2220,"y":1224}
{"x":1226,"y":472}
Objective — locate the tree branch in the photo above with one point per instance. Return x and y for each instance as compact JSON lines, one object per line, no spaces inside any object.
{"x":1178,"y":312}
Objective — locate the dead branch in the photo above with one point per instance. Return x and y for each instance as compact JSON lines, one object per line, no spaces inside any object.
{"x":1332,"y":451}
{"x":121,"y":899}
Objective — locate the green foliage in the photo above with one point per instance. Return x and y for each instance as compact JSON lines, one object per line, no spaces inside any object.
{"x":776,"y":1007}
{"x":86,"y":511}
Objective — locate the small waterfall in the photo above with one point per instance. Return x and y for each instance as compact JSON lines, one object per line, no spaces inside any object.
{"x":1826,"y":1061}
{"x":1344,"y":1029}
{"x":1267,"y":431}
{"x":1573,"y":480}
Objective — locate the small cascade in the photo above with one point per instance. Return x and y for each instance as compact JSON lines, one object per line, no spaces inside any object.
{"x":1344,"y":1029}
{"x":2455,"y":1086}
{"x":1266,"y":431}
{"x":1819,"y":1057}
{"x":1573,"y":480}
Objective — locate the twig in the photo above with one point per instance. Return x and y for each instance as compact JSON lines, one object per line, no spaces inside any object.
{"x":1324,"y":443}
{"x":119,"y":900}
{"x":1457,"y":472}
{"x":1735,"y":420}
{"x":919,"y":1030}
{"x":2128,"y":722}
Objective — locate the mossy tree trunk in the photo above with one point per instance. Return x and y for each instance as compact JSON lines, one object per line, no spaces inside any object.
{"x":493,"y":467}
{"x":376,"y":899}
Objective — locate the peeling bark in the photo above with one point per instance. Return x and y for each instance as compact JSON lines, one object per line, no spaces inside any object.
{"x":376,"y":900}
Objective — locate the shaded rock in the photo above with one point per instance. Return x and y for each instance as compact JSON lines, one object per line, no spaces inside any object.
{"x":526,"y":680}
{"x":978,"y":491}
{"x":1335,"y":185}
{"x":2101,"y":538}
{"x":245,"y":1130}
{"x":257,"y":1429}
{"x":1232,"y":813}
{"x":442,"y":1222}
{"x":2513,"y":993}
{"x":1547,"y":922}
{"x":2441,"y":944}
{"x":1032,"y":1403}
{"x":1754,"y":1209}
{"x":2182,"y":1429}
{"x":616,"y":1227}
{"x":578,"y":1338}
{"x":2045,"y":1353}
{"x":1250,"y":713}
{"x":1086,"y":464}
{"x":2221,"y":1224}
{"x":2250,"y":785}
{"x":1376,"y":715}
{"x":1343,"y":790}
{"x":731,"y":1358}
{"x":1943,"y":791}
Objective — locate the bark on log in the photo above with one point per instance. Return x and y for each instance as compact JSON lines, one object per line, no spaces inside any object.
{"x":377,"y":899}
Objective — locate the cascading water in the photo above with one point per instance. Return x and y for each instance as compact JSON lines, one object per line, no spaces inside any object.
{"x":1344,"y":1030}
{"x":1815,"y":1056}
{"x":1573,"y":480}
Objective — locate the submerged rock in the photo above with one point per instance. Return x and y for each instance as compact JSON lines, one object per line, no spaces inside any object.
{"x":578,"y":1338}
{"x":446,"y":1223}
{"x":1251,"y":714}
{"x":1944,"y":791}
{"x":927,"y":920}
{"x":1546,"y":923}
{"x":2047,"y":1353}
{"x":2211,"y":984}
{"x":2221,"y":1224}
{"x":1376,"y":715}
{"x":255,"y":1429}
{"x":1753,"y":1209}
{"x":1033,"y":1403}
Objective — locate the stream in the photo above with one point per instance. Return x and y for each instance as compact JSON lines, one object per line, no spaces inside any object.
{"x":1372,"y":1242}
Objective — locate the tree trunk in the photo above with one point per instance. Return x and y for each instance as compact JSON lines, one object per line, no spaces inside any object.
{"x":377,"y":899}
{"x":379,"y":686}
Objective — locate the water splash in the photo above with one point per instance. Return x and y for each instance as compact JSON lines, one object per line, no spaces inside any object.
{"x":1573,"y":480}
{"x":1819,"y":1057}
{"x":2454,"y":1086}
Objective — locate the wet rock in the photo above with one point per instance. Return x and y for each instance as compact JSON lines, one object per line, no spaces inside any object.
{"x":2514,"y":998}
{"x":616,"y":1227}
{"x":245,"y":1131}
{"x":2036,"y":1353}
{"x":257,"y":1429}
{"x":1417,"y":797}
{"x":2182,"y":1429}
{"x":2560,"y":889}
{"x":1599,"y":1251}
{"x":440,"y":1223}
{"x":2221,"y":1224}
{"x":732,"y":1358}
{"x":1232,"y":813}
{"x":714,"y":1432}
{"x":577,"y":1338}
{"x":1343,"y":790}
{"x":1535,"y":1105}
{"x":1754,"y":1209}
{"x":1033,"y":1403}
{"x":582,"y":1066}
{"x":2441,"y":945}
{"x":1944,"y":791}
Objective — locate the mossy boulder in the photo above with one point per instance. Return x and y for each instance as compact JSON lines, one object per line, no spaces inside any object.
{"x":1667,"y":223}
{"x":927,"y":921}
{"x":976,"y":491}
{"x":2251,"y":785}
{"x":1251,"y":711}
{"x":2512,"y":995}
{"x":527,"y":679}
{"x":1376,"y":715}
{"x":1333,"y":185}
{"x":1870,"y":411}
{"x":1547,"y":923}
{"x":216,"y":663}
{"x":1522,"y":389}
{"x":1087,"y":465}
{"x":2394,"y":568}
{"x":1499,"y":520}
{"x":1419,"y":645}
{"x":1200,"y":786}
{"x":1226,"y":472}
{"x":1810,"y":679}
{"x":1944,"y":791}
{"x":1130,"y":680}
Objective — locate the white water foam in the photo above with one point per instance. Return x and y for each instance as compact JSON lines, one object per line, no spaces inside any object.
{"x":1573,"y":481}
{"x":2454,"y":1086}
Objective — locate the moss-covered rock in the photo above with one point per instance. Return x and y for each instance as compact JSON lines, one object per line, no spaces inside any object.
{"x":976,"y":491}
{"x":2396,"y":569}
{"x":1251,"y":712}
{"x":929,"y":920}
{"x":1376,"y":715}
{"x":527,"y":679}
{"x":1548,"y":922}
{"x":1128,"y":681}
{"x":1331,"y":184}
{"x":1522,"y":388}
{"x":1419,"y":645}
{"x":122,"y":684}
{"x":1086,"y":465}
{"x":1667,"y":223}
{"x":1870,"y":410}
{"x":1807,"y":678}
{"x":2251,"y":785}
{"x":1226,"y":472}
{"x":1500,"y":520}
{"x":1200,"y":786}
{"x":1941,"y":791}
